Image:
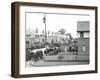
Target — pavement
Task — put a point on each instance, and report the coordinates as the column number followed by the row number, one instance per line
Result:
column 54, row 61
column 42, row 63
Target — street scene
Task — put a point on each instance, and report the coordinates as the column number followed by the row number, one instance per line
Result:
column 56, row 39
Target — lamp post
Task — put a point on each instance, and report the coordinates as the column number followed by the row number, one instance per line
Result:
column 44, row 21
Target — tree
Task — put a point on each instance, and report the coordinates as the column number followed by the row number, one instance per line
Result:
column 43, row 31
column 62, row 31
column 36, row 30
column 69, row 36
column 48, row 32
column 52, row 33
column 52, row 41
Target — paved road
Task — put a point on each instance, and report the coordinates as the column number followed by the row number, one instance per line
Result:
column 42, row 63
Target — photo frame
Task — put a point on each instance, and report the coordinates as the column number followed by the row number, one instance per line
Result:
column 53, row 39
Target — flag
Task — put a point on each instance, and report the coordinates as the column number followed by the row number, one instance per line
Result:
column 44, row 19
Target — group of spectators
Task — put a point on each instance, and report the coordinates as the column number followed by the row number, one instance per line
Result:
column 51, row 49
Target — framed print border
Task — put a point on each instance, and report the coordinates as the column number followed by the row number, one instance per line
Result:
column 15, row 39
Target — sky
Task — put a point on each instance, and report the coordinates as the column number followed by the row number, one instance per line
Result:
column 54, row 22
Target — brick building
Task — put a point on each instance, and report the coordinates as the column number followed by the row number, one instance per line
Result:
column 83, row 31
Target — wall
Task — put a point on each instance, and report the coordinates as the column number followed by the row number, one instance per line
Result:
column 83, row 42
column 5, row 40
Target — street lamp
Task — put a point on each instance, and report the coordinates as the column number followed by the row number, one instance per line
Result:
column 44, row 21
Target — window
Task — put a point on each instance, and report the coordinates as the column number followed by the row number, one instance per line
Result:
column 81, row 35
column 78, row 35
column 86, row 34
column 84, row 48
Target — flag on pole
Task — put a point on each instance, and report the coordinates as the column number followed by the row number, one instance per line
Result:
column 44, row 19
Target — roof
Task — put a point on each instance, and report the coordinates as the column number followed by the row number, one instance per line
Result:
column 83, row 26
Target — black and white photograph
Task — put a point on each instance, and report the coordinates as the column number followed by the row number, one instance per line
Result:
column 54, row 39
